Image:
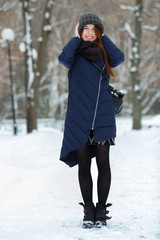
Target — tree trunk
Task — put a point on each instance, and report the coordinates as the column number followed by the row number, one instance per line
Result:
column 135, row 62
column 31, row 107
column 46, row 29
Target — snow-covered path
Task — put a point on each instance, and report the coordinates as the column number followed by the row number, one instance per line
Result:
column 39, row 195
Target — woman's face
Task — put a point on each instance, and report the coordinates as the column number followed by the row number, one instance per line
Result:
column 88, row 33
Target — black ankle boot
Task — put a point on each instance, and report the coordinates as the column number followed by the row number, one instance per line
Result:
column 89, row 214
column 101, row 215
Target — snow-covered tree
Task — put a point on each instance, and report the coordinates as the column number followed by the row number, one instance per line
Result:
column 150, row 67
column 42, row 68
column 36, row 60
column 135, row 37
column 30, row 72
column 52, row 29
column 137, row 58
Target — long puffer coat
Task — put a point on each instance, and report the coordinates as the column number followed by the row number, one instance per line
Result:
column 90, row 104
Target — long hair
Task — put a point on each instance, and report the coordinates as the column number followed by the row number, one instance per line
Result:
column 98, row 41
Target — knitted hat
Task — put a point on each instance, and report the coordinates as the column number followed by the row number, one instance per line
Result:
column 90, row 18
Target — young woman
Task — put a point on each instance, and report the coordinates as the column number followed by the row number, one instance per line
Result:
column 90, row 119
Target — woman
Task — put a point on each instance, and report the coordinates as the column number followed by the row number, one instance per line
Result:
column 90, row 119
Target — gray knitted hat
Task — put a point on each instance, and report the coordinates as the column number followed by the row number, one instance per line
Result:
column 90, row 18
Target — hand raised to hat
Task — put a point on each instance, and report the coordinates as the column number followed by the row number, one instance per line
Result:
column 76, row 30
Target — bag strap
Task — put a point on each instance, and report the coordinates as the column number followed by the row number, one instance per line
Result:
column 121, row 95
column 101, row 70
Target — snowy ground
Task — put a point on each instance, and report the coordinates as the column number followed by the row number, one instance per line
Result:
column 39, row 195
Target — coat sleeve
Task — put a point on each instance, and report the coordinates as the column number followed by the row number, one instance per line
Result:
column 115, row 55
column 67, row 56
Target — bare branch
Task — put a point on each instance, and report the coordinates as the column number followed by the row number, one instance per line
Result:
column 63, row 6
column 150, row 28
column 151, row 102
column 8, row 5
column 49, row 69
column 149, row 14
column 32, row 10
column 60, row 22
column 129, row 8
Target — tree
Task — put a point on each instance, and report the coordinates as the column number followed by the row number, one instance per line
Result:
column 138, row 59
column 135, row 60
column 135, row 65
column 50, row 29
column 30, row 73
column 150, row 79
column 42, row 61
column 35, row 69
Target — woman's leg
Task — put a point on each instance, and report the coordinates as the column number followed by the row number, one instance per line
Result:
column 84, row 173
column 104, row 173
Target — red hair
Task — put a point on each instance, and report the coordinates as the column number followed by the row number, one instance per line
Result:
column 98, row 41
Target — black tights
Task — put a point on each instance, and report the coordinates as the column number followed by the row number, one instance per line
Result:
column 104, row 172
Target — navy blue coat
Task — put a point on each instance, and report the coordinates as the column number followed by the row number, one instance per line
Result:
column 90, row 104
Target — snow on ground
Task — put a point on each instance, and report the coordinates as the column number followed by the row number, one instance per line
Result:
column 39, row 194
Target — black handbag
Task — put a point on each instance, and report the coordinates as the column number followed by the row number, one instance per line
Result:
column 117, row 96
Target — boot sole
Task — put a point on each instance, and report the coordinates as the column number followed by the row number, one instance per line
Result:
column 100, row 224
column 88, row 224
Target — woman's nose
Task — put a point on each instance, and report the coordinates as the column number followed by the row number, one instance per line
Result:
column 90, row 31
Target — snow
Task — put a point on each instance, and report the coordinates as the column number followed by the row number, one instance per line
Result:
column 34, row 53
column 25, row 4
column 133, row 69
column 22, row 47
column 129, row 31
column 6, row 6
column 29, row 52
column 50, row 67
column 137, row 56
column 47, row 15
column 3, row 43
column 140, row 19
column 151, row 28
column 47, row 28
column 37, row 74
column 136, row 88
column 50, row 3
column 134, row 49
column 39, row 194
column 40, row 39
column 130, row 8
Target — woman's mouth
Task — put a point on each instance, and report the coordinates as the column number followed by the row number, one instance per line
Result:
column 89, row 38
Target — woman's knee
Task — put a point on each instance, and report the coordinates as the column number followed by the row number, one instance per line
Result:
column 83, row 157
column 102, row 157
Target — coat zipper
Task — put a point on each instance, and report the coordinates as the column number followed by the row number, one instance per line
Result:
column 95, row 112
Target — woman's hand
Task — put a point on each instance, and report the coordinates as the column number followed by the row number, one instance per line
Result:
column 76, row 30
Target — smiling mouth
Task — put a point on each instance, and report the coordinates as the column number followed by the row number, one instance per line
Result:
column 89, row 38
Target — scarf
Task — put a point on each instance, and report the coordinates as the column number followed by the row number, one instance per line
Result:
column 90, row 50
